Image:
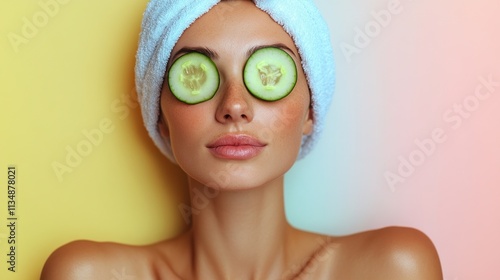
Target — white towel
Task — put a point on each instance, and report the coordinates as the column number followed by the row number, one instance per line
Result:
column 164, row 22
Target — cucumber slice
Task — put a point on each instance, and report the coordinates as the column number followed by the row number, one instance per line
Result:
column 193, row 78
column 270, row 74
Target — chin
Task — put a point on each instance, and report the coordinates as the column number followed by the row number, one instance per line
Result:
column 237, row 175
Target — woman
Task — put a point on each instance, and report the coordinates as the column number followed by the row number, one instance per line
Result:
column 220, row 126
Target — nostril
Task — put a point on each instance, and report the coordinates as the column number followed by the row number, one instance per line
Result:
column 228, row 116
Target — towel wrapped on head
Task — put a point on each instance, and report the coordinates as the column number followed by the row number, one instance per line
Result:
column 164, row 22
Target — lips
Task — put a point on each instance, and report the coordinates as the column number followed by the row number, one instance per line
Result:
column 236, row 147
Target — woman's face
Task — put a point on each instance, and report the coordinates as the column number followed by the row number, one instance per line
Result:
column 234, row 140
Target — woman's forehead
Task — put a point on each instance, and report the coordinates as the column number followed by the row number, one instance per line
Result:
column 234, row 25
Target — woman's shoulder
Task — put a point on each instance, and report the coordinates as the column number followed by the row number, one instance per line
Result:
column 98, row 260
column 391, row 252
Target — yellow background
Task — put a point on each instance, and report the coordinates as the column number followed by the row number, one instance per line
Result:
column 74, row 73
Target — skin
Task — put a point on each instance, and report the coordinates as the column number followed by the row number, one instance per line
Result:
column 242, row 233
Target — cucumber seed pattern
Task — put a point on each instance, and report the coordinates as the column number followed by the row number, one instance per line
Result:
column 270, row 74
column 193, row 77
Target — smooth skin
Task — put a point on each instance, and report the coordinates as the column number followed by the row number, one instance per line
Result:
column 242, row 233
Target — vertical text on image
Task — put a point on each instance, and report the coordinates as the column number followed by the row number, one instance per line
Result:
column 12, row 222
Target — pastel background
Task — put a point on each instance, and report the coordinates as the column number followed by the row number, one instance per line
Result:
column 68, row 78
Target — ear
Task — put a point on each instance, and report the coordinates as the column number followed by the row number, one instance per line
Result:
column 309, row 122
column 163, row 129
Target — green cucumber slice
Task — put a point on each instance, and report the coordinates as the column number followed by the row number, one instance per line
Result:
column 193, row 78
column 270, row 74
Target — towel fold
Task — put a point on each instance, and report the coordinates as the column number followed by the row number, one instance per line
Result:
column 164, row 21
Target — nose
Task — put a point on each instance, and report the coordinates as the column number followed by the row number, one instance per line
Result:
column 235, row 104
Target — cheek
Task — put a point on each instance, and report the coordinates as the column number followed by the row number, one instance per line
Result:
column 291, row 119
column 295, row 113
column 185, row 123
column 286, row 122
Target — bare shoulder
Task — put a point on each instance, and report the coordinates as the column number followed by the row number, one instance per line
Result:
column 396, row 253
column 97, row 260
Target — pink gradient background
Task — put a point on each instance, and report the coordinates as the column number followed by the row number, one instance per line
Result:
column 395, row 90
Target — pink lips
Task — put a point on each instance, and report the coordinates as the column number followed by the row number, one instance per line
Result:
column 237, row 147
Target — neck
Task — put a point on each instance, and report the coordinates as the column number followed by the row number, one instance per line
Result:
column 240, row 234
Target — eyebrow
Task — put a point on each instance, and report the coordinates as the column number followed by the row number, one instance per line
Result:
column 278, row 45
column 203, row 50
